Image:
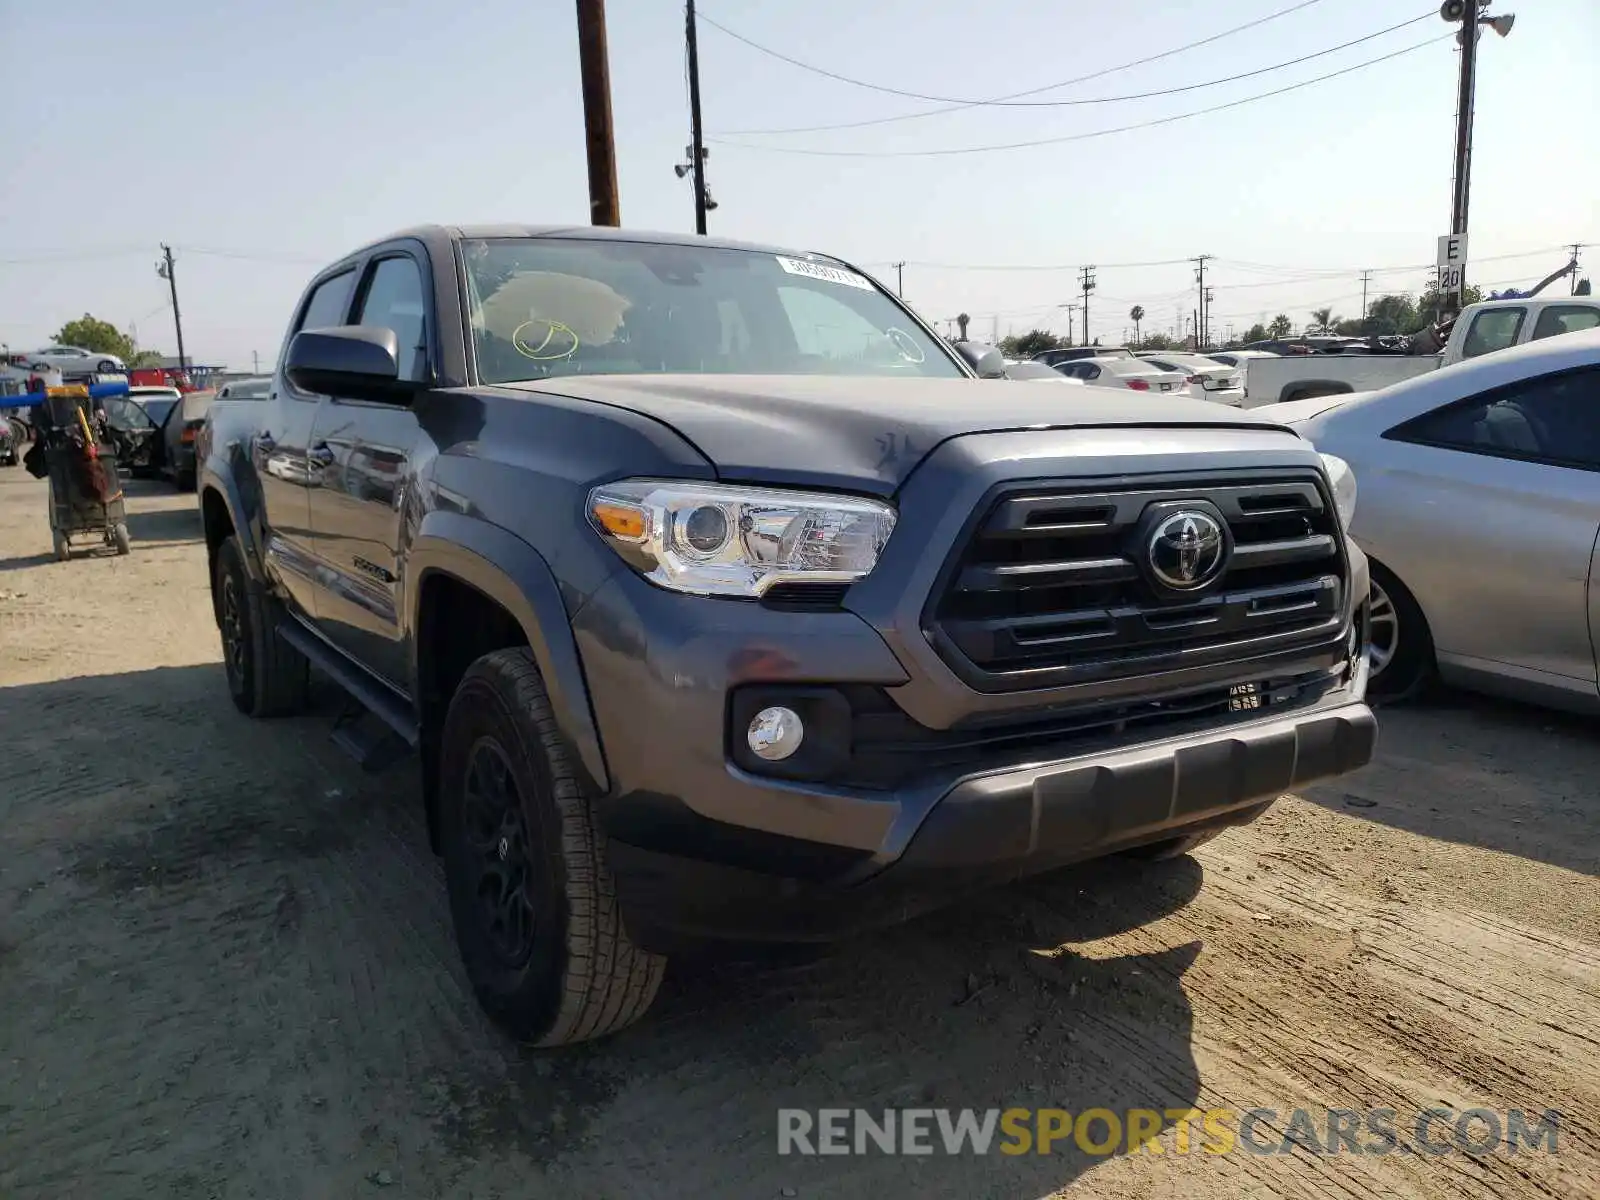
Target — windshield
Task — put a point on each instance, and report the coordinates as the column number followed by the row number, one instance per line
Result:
column 543, row 307
column 155, row 407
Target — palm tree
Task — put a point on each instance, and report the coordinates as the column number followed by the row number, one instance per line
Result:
column 1136, row 314
column 1324, row 319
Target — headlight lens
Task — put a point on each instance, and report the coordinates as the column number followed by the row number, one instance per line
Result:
column 723, row 540
column 1343, row 480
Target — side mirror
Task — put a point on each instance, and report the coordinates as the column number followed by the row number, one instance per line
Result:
column 362, row 361
column 985, row 360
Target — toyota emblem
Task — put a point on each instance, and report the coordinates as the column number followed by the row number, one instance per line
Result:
column 1187, row 550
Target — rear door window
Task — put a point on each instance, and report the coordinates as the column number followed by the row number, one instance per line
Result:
column 1565, row 318
column 1493, row 330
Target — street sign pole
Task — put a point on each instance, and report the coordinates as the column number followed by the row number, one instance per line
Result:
column 1451, row 261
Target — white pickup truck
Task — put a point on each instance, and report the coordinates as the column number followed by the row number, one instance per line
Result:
column 1481, row 329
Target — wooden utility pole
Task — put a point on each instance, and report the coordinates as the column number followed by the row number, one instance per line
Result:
column 697, row 148
column 166, row 270
column 900, row 278
column 1087, row 285
column 605, row 208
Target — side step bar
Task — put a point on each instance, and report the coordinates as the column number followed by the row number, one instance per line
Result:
column 373, row 749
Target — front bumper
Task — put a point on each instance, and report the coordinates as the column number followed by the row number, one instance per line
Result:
column 990, row 829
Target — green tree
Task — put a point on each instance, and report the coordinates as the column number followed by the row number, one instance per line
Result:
column 1256, row 333
column 1428, row 305
column 142, row 358
column 1281, row 326
column 1028, row 344
column 1157, row 341
column 101, row 337
column 1136, row 314
column 1323, row 319
column 1391, row 314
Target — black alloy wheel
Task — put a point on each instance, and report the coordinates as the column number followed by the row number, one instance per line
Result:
column 497, row 834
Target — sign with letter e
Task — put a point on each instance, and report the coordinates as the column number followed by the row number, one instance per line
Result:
column 1451, row 261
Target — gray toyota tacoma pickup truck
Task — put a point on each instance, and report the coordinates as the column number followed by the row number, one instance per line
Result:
column 720, row 598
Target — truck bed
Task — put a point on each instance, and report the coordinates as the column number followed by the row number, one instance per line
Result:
column 1302, row 376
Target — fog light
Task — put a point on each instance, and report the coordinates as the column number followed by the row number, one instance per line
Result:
column 775, row 733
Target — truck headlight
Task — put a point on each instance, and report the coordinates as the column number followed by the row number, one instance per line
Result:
column 726, row 540
column 1343, row 480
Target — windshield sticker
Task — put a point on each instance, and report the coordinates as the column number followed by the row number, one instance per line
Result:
column 905, row 345
column 558, row 342
column 811, row 270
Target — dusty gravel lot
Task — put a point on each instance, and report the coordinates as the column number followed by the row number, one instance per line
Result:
column 226, row 966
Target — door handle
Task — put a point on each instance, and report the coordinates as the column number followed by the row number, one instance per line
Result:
column 322, row 455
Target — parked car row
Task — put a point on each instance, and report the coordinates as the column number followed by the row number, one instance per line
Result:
column 154, row 428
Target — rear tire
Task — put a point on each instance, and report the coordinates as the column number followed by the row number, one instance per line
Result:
column 531, row 893
column 120, row 539
column 267, row 677
column 1402, row 657
column 62, row 546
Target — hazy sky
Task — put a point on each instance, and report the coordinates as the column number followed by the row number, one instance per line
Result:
column 264, row 138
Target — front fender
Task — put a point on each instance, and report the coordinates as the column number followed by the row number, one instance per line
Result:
column 216, row 476
column 515, row 576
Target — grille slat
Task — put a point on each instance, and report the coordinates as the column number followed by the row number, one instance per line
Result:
column 1052, row 581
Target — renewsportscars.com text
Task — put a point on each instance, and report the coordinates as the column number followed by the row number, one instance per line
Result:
column 1101, row 1131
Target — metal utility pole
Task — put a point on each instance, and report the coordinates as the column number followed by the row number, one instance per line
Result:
column 1572, row 283
column 1200, row 282
column 1071, row 308
column 899, row 279
column 697, row 151
column 255, row 362
column 605, row 207
column 1088, row 286
column 166, row 270
column 1366, row 277
column 1207, row 295
column 1466, row 12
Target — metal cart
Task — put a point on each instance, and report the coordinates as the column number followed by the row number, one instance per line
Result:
column 77, row 460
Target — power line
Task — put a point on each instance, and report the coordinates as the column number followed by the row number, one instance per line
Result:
column 1013, row 102
column 1306, row 274
column 1080, row 137
column 1138, row 62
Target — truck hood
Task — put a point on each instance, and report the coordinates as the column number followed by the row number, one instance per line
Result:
column 862, row 433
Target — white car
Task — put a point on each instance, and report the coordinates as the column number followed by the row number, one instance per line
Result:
column 1037, row 372
column 1207, row 378
column 1132, row 373
column 1236, row 358
column 74, row 360
column 245, row 389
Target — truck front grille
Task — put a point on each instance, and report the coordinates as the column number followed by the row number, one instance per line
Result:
column 1056, row 585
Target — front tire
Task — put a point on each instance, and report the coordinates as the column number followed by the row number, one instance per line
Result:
column 267, row 677
column 531, row 893
column 107, row 367
column 120, row 538
column 1401, row 658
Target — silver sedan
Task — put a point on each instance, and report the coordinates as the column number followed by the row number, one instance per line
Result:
column 1479, row 506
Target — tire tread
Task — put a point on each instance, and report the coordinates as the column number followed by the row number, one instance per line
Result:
column 608, row 983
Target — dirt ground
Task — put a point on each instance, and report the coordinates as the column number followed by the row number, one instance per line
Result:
column 226, row 967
